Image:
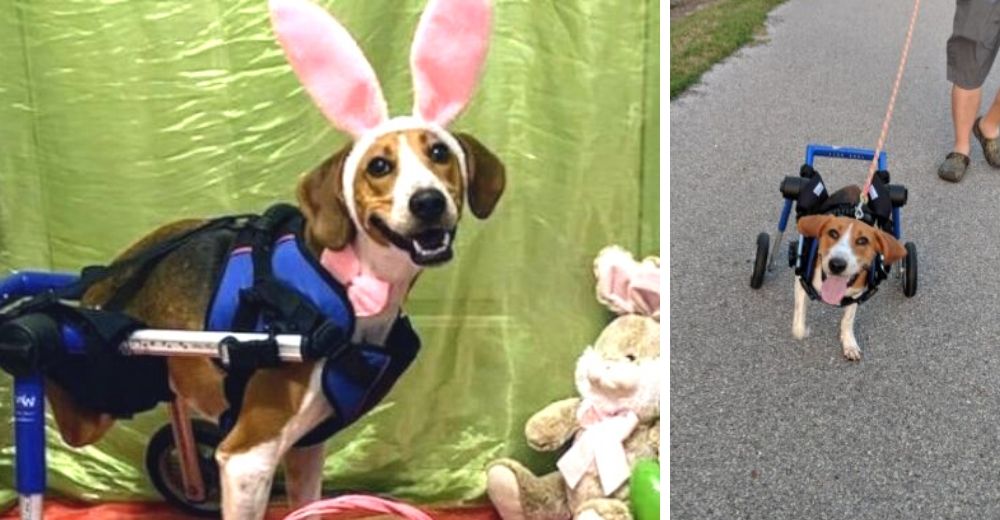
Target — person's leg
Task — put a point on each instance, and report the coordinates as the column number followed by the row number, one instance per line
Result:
column 964, row 106
column 967, row 68
column 986, row 129
column 989, row 125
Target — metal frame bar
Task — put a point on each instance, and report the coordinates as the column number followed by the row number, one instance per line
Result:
column 191, row 477
column 29, row 409
column 843, row 152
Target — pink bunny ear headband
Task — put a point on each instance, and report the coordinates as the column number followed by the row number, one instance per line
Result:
column 627, row 286
column 447, row 54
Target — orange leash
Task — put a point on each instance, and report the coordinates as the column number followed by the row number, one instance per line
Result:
column 892, row 104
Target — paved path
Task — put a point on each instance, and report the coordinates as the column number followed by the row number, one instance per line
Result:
column 766, row 427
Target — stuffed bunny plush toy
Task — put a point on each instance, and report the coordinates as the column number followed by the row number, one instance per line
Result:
column 613, row 424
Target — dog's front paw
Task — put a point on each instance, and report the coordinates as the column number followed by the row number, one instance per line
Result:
column 800, row 331
column 852, row 352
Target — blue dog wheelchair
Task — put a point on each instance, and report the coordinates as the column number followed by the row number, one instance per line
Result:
column 279, row 300
column 807, row 194
column 179, row 457
column 273, row 303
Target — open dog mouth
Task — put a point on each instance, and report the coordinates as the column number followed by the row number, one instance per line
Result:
column 834, row 287
column 429, row 247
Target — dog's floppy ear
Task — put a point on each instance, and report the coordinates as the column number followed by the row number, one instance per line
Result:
column 487, row 177
column 448, row 51
column 330, row 65
column 892, row 251
column 812, row 225
column 321, row 199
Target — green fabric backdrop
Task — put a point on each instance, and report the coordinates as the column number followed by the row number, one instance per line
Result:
column 117, row 116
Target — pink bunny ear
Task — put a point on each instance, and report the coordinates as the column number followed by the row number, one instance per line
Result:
column 626, row 286
column 644, row 290
column 330, row 65
column 613, row 270
column 447, row 54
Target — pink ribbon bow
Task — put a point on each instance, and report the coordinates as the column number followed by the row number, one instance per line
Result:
column 368, row 294
column 600, row 444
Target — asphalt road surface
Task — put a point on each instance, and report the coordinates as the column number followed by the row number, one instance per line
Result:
column 764, row 426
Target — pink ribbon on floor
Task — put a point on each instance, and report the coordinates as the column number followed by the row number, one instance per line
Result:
column 600, row 444
column 368, row 294
column 356, row 503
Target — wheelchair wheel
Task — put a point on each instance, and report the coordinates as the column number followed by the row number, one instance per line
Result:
column 164, row 468
column 910, row 270
column 760, row 263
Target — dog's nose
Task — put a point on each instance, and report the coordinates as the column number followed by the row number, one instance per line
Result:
column 428, row 204
column 837, row 265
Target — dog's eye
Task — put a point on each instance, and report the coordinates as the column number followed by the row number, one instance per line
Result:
column 630, row 357
column 439, row 153
column 833, row 234
column 379, row 167
column 861, row 241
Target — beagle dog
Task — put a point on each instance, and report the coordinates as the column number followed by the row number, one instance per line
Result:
column 391, row 201
column 845, row 254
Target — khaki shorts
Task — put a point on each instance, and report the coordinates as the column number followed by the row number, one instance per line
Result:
column 974, row 41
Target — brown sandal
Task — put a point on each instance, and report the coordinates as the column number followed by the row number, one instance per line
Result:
column 954, row 167
column 991, row 149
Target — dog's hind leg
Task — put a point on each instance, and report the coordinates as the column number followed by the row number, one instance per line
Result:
column 78, row 426
column 799, row 329
column 280, row 405
column 304, row 474
column 847, row 340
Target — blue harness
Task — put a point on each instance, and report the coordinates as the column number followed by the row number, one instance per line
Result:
column 355, row 376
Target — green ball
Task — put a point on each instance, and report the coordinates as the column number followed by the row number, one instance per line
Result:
column 645, row 490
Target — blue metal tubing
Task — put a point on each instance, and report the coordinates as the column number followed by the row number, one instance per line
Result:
column 29, row 434
column 785, row 211
column 843, row 152
column 29, row 398
column 29, row 283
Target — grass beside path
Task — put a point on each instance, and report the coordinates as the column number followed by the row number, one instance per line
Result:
column 707, row 35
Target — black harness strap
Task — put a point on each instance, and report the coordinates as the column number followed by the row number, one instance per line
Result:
column 282, row 309
column 259, row 234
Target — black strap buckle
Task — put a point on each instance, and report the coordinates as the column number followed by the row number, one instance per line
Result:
column 245, row 356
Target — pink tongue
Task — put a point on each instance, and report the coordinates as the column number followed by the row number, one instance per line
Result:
column 833, row 289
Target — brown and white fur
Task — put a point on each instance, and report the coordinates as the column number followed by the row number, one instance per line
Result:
column 284, row 403
column 335, row 217
column 847, row 248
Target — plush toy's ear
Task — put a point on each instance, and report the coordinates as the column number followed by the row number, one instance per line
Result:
column 447, row 54
column 646, row 290
column 330, row 65
column 626, row 286
column 611, row 268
